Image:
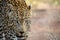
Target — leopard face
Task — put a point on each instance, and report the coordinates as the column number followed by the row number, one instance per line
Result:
column 16, row 15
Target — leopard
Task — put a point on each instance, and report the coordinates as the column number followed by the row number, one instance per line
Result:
column 14, row 19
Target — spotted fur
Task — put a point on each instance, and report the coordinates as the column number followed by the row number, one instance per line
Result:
column 14, row 18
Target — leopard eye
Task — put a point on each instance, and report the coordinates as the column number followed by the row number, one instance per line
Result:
column 10, row 6
column 10, row 10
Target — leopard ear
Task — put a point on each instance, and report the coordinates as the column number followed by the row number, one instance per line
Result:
column 29, row 7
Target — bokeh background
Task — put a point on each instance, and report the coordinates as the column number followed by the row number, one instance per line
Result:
column 45, row 19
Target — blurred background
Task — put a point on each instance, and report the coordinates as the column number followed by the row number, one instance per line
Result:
column 45, row 20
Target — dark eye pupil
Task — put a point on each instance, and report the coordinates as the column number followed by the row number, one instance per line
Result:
column 10, row 10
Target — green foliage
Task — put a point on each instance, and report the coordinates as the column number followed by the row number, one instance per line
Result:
column 55, row 2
